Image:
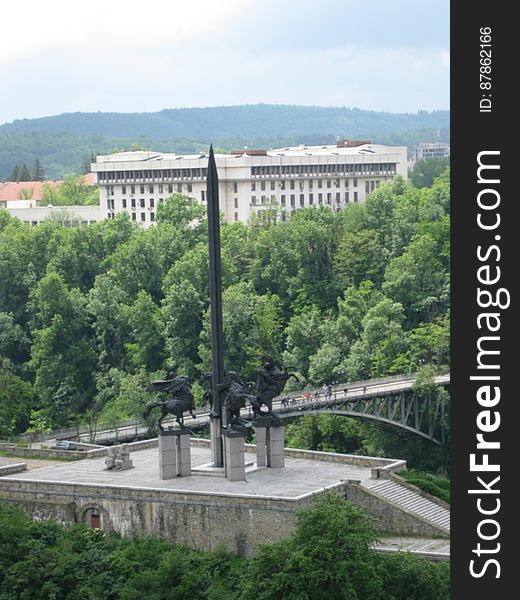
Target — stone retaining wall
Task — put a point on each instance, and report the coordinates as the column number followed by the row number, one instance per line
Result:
column 391, row 518
column 198, row 520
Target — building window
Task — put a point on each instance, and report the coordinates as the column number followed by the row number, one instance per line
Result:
column 338, row 197
column 152, row 216
column 253, row 200
column 329, row 198
column 170, row 188
column 347, row 199
column 302, row 200
column 293, row 200
column 355, row 196
column 150, row 189
column 152, row 203
column 235, row 202
column 311, row 198
column 141, row 202
column 236, row 216
column 123, row 189
column 161, row 200
column 133, row 217
column 123, row 202
column 320, row 183
column 133, row 202
column 132, row 189
column 253, row 186
column 141, row 188
column 282, row 199
column 291, row 184
column 161, row 189
column 272, row 185
column 143, row 217
column 179, row 188
column 282, row 185
column 329, row 183
column 203, row 196
column 320, row 198
column 301, row 185
column 354, row 182
column 367, row 187
column 310, row 184
column 262, row 186
column 235, row 187
column 190, row 188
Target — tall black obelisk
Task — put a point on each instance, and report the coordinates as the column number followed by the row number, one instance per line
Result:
column 217, row 337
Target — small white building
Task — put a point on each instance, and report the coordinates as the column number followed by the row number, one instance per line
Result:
column 249, row 180
column 32, row 214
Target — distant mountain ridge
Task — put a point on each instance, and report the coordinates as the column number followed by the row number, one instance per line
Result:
column 186, row 129
column 255, row 120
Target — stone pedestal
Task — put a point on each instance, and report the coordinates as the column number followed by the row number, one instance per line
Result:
column 269, row 445
column 174, row 454
column 234, row 455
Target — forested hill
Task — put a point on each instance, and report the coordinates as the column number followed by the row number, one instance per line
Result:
column 221, row 122
column 64, row 143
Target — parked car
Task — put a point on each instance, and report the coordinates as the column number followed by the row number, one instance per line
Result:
column 65, row 445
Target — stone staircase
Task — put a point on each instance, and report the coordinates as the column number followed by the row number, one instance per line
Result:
column 409, row 501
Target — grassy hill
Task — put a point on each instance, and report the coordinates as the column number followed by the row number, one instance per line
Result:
column 64, row 142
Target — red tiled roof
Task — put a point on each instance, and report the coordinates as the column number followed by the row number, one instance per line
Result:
column 12, row 190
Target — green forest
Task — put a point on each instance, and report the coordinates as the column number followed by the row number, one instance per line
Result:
column 328, row 557
column 65, row 143
column 90, row 315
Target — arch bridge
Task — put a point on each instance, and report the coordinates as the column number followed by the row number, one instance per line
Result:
column 391, row 401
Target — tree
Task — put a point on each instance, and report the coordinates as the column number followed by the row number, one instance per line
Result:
column 16, row 396
column 360, row 256
column 179, row 211
column 303, row 339
column 20, row 173
column 38, row 174
column 146, row 348
column 425, row 171
column 106, row 305
column 417, row 280
column 14, row 343
column 327, row 558
column 62, row 354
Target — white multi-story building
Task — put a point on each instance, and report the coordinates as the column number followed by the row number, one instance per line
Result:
column 431, row 150
column 249, row 180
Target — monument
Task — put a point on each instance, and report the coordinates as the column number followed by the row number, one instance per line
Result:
column 174, row 444
column 226, row 391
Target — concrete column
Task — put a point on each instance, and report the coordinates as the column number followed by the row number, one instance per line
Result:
column 174, row 454
column 275, row 447
column 234, row 455
column 261, row 448
column 217, row 451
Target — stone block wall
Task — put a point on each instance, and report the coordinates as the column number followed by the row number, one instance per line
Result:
column 389, row 517
column 198, row 520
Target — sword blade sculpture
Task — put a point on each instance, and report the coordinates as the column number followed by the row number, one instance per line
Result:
column 217, row 336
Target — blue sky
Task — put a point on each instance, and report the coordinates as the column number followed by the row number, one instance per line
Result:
column 58, row 56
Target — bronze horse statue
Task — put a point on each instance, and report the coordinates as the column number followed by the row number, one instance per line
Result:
column 180, row 401
column 270, row 383
column 234, row 396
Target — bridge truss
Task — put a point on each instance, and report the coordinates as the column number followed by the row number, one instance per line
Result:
column 425, row 417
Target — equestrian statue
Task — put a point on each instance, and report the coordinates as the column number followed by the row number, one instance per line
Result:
column 180, row 399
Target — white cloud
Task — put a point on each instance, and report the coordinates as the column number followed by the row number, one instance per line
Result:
column 33, row 27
